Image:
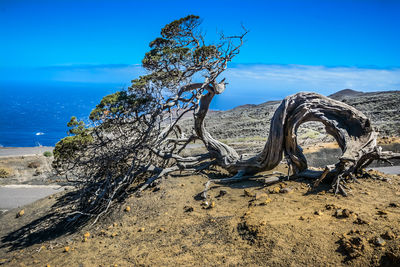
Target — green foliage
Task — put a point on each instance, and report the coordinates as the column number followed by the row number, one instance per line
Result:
column 47, row 154
column 181, row 27
column 121, row 103
column 205, row 53
column 67, row 147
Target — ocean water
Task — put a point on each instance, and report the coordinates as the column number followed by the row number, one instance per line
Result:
column 37, row 114
column 33, row 115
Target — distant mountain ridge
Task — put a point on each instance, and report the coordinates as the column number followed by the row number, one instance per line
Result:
column 253, row 121
column 345, row 93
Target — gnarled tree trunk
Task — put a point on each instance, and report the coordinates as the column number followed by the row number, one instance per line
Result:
column 350, row 127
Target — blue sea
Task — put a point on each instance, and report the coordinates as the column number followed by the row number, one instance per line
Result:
column 37, row 114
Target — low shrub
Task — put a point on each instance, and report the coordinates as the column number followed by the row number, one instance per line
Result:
column 5, row 172
column 47, row 154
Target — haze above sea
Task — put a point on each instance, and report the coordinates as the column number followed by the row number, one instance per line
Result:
column 37, row 114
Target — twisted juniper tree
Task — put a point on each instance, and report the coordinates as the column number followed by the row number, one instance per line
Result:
column 134, row 137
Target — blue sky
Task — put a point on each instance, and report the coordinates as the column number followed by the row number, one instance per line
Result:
column 292, row 46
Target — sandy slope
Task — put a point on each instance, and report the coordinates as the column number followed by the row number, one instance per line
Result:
column 249, row 225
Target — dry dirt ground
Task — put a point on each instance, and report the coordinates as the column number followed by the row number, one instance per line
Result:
column 245, row 224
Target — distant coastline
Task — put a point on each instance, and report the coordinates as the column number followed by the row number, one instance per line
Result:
column 24, row 151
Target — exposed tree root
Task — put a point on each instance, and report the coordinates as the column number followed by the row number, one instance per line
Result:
column 351, row 129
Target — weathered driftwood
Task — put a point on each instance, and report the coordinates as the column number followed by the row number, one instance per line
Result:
column 351, row 129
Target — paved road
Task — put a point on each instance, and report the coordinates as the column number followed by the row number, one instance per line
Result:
column 389, row 170
column 23, row 151
column 13, row 196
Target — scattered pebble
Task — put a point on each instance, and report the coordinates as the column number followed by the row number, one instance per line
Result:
column 188, row 209
column 275, row 190
column 354, row 246
column 330, row 206
column 127, row 209
column 346, row 213
column 342, row 213
column 389, row 235
column 66, row 249
column 361, row 220
column 222, row 193
column 141, row 229
column 286, row 190
column 268, row 200
column 248, row 193
column 382, row 212
column 379, row 241
column 20, row 213
column 87, row 235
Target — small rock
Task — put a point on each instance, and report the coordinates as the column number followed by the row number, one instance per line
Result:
column 389, row 235
column 127, row 209
column 157, row 188
column 268, row 200
column 317, row 212
column 87, row 235
column 66, row 249
column 301, row 218
column 248, row 193
column 212, row 205
column 275, row 190
column 339, row 213
column 114, row 234
column 354, row 247
column 330, row 206
column 394, row 205
column 346, row 213
column 204, row 204
column 222, row 193
column 20, row 213
column 141, row 229
column 162, row 229
column 286, row 190
column 382, row 212
column 379, row 241
column 361, row 220
column 188, row 209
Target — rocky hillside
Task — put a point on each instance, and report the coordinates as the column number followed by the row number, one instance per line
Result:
column 251, row 122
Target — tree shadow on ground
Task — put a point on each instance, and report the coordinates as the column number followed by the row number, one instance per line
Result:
column 56, row 223
column 257, row 181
